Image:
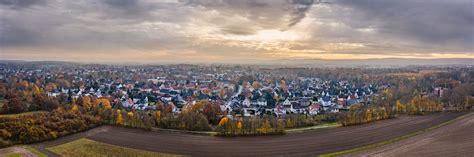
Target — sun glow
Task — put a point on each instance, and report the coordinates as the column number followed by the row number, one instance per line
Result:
column 274, row 35
column 267, row 36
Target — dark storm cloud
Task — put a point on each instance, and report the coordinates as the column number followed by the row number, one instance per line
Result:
column 449, row 23
column 122, row 3
column 19, row 4
column 298, row 10
column 267, row 14
column 237, row 30
column 75, row 24
column 128, row 8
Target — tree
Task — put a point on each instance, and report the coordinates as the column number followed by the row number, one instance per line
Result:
column 466, row 102
column 256, row 84
column 36, row 90
column 271, row 102
column 50, row 104
column 85, row 101
column 5, row 134
column 130, row 114
column 159, row 106
column 210, row 110
column 14, row 105
column 51, row 87
column 193, row 121
column 37, row 127
column 23, row 85
column 104, row 102
column 283, row 86
column 169, row 108
column 368, row 115
column 158, row 116
column 265, row 128
column 5, row 108
column 400, row 107
column 239, row 124
column 223, row 121
column 130, row 119
column 222, row 93
column 34, row 107
column 75, row 109
column 63, row 83
column 119, row 120
column 3, row 90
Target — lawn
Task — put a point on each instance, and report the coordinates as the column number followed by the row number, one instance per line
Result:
column 13, row 155
column 87, row 147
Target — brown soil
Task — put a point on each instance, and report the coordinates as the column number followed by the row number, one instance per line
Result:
column 455, row 139
column 299, row 144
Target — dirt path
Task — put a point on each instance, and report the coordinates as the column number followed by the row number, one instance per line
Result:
column 299, row 144
column 455, row 139
column 18, row 150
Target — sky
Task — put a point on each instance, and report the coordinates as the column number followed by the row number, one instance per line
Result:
column 234, row 31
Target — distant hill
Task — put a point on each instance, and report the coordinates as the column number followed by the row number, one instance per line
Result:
column 367, row 63
column 386, row 62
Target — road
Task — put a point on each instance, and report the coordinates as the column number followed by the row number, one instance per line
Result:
column 299, row 144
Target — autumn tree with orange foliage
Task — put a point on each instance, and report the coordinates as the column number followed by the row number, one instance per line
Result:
column 85, row 101
column 104, row 102
column 210, row 110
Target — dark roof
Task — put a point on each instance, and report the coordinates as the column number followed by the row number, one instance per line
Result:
column 326, row 98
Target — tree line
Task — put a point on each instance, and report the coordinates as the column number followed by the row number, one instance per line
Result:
column 24, row 129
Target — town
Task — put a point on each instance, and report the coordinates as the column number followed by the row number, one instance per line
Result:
column 233, row 88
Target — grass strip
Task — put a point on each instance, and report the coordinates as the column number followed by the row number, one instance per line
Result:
column 320, row 126
column 34, row 151
column 13, row 155
column 394, row 139
column 22, row 114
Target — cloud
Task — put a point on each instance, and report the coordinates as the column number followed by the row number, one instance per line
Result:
column 437, row 22
column 132, row 9
column 20, row 4
column 298, row 10
column 243, row 29
column 266, row 14
column 239, row 30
